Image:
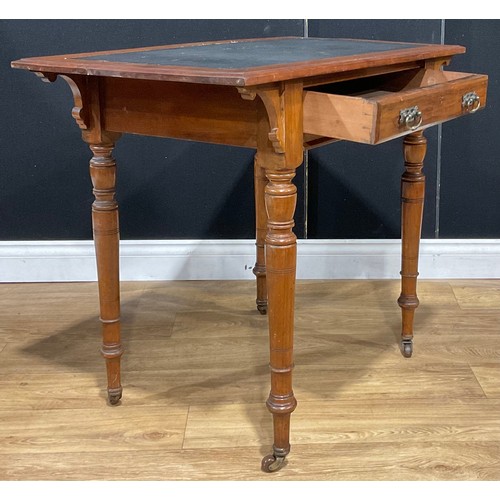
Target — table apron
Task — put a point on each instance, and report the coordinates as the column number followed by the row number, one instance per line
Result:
column 208, row 113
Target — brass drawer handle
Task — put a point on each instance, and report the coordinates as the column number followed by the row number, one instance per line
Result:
column 471, row 102
column 411, row 118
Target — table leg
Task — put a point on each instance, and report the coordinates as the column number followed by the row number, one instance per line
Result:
column 281, row 255
column 412, row 204
column 260, row 182
column 106, row 238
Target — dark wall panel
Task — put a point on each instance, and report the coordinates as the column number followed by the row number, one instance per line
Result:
column 354, row 189
column 179, row 189
column 166, row 188
column 470, row 187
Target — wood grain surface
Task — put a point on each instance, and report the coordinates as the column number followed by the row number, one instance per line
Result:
column 211, row 72
column 372, row 116
column 195, row 380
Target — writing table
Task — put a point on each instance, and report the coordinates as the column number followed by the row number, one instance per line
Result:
column 277, row 96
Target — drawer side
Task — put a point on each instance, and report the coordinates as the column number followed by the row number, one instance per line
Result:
column 340, row 117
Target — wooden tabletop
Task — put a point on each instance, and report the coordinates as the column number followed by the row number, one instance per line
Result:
column 239, row 62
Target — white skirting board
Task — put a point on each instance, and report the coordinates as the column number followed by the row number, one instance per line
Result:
column 41, row 261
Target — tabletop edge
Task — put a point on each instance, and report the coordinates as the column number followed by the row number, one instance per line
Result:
column 71, row 64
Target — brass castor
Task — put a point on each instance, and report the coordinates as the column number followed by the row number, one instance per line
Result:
column 262, row 307
column 407, row 347
column 114, row 396
column 271, row 463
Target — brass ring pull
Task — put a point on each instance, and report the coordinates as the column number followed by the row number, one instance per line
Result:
column 471, row 102
column 411, row 118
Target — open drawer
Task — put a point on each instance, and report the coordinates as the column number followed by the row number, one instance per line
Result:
column 376, row 109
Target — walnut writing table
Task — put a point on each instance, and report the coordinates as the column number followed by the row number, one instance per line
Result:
column 278, row 96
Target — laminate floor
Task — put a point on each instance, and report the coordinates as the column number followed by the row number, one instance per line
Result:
column 195, row 380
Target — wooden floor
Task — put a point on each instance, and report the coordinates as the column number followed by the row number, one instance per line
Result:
column 195, row 379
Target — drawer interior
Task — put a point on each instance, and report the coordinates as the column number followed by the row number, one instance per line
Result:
column 379, row 85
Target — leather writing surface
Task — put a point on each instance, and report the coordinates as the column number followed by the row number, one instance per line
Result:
column 252, row 53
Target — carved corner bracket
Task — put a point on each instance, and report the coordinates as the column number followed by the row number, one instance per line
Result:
column 437, row 63
column 247, row 93
column 283, row 132
column 273, row 102
column 46, row 77
column 80, row 111
column 78, row 87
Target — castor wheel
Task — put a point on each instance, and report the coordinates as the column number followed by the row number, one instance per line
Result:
column 407, row 347
column 114, row 396
column 271, row 463
column 262, row 307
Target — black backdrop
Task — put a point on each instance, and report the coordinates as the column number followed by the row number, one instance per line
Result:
column 180, row 189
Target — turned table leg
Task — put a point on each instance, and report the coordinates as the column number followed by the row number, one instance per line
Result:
column 260, row 182
column 412, row 204
column 106, row 238
column 281, row 254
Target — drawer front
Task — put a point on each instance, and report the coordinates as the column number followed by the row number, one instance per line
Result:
column 380, row 115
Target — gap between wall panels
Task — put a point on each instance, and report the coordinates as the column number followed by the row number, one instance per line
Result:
column 306, row 162
column 438, row 156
